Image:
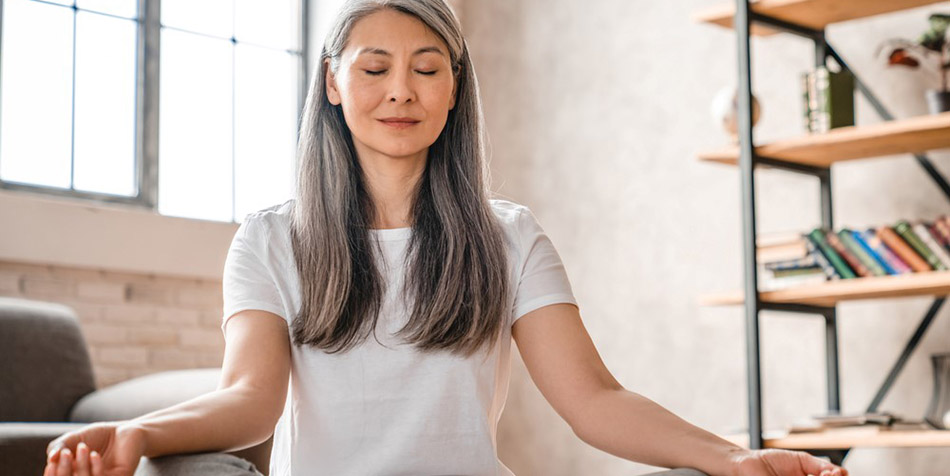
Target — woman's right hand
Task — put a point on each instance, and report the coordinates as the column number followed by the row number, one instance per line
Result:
column 99, row 449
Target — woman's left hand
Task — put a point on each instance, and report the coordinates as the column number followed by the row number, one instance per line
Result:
column 783, row 463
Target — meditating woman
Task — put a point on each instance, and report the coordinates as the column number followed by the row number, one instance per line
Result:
column 368, row 321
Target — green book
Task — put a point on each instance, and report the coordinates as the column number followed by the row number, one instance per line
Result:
column 835, row 91
column 857, row 250
column 818, row 237
column 906, row 232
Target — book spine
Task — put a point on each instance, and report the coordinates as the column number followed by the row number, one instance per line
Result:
column 824, row 103
column 806, row 262
column 895, row 262
column 813, row 111
column 822, row 261
column 847, row 238
column 841, row 100
column 921, row 230
column 938, row 236
column 859, row 239
column 849, row 257
column 944, row 230
column 906, row 232
column 806, row 102
column 818, row 238
column 784, row 273
column 900, row 247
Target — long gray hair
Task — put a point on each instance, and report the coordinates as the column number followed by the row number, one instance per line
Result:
column 457, row 283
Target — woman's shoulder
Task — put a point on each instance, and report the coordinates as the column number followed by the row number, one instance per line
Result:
column 507, row 211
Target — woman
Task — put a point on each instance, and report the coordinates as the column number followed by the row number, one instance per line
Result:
column 392, row 225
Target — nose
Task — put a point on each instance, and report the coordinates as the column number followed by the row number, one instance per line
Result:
column 400, row 88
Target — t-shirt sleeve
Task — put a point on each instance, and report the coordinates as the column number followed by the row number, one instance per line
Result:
column 543, row 279
column 246, row 281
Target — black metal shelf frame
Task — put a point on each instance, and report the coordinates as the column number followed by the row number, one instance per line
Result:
column 747, row 160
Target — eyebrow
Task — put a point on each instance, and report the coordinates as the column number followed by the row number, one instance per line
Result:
column 379, row 51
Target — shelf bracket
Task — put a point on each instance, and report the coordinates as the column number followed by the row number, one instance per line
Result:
column 908, row 349
column 882, row 111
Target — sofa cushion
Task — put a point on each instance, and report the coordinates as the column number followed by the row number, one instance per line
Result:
column 138, row 396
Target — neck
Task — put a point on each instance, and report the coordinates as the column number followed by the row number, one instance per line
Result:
column 391, row 182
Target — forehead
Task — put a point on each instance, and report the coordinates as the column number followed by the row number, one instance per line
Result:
column 394, row 32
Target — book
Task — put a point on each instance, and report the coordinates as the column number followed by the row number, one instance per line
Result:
column 818, row 238
column 895, row 262
column 828, row 98
column 842, row 251
column 905, row 231
column 859, row 239
column 768, row 281
column 822, row 261
column 847, row 238
column 805, row 262
column 921, row 230
column 836, row 97
column 937, row 236
column 943, row 228
column 902, row 249
column 780, row 246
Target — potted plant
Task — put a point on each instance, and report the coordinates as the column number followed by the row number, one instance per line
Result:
column 932, row 48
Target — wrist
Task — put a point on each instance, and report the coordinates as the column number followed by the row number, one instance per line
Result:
column 134, row 433
column 738, row 458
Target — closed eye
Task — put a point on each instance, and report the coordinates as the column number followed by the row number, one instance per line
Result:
column 377, row 73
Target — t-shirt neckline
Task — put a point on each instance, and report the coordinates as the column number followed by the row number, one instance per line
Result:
column 391, row 234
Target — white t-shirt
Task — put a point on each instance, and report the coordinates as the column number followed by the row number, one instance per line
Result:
column 388, row 410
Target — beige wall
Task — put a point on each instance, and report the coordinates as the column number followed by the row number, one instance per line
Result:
column 596, row 111
column 134, row 323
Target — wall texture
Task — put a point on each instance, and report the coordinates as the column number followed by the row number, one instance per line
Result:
column 134, row 324
column 596, row 111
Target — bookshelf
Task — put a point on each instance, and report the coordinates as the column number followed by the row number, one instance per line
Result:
column 912, row 135
column 814, row 155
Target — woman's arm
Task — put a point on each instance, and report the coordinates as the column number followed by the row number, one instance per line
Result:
column 241, row 413
column 565, row 366
column 249, row 400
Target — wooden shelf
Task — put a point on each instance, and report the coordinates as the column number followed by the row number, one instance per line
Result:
column 815, row 14
column 844, row 438
column 935, row 283
column 912, row 135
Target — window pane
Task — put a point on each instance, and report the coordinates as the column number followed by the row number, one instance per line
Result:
column 265, row 127
column 122, row 8
column 105, row 104
column 274, row 23
column 211, row 17
column 36, row 93
column 195, row 127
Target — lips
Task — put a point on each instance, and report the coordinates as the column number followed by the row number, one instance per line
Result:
column 399, row 122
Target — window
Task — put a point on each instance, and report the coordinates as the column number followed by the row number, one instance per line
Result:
column 186, row 107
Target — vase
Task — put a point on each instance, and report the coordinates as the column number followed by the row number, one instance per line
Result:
column 938, row 101
column 725, row 111
column 938, row 413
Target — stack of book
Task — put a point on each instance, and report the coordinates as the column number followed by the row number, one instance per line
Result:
column 828, row 98
column 834, row 420
column 821, row 254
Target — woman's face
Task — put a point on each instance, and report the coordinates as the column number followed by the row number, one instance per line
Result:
column 393, row 66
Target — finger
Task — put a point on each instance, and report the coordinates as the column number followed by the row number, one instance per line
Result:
column 53, row 455
column 82, row 460
column 65, row 463
column 50, row 469
column 813, row 465
column 96, row 461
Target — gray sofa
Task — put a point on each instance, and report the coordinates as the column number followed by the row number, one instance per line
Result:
column 47, row 386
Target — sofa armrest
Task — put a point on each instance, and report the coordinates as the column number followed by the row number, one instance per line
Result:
column 23, row 445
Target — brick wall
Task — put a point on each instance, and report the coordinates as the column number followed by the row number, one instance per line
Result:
column 134, row 324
